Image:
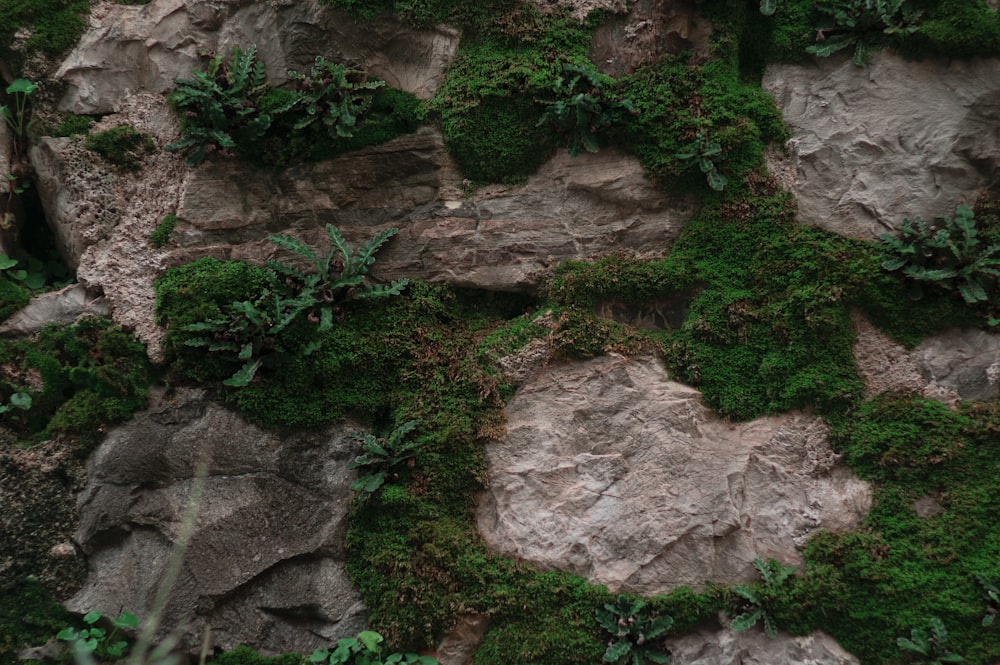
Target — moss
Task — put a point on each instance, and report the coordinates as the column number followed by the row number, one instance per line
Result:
column 29, row 616
column 73, row 125
column 54, row 26
column 161, row 235
column 953, row 28
column 123, row 146
column 12, row 298
column 244, row 655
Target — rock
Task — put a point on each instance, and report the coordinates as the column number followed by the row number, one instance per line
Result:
column 459, row 646
column 615, row 473
column 958, row 364
column 753, row 647
column 143, row 48
column 581, row 8
column 63, row 307
column 896, row 138
column 264, row 563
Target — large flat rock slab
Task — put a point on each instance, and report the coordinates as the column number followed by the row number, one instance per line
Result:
column 614, row 472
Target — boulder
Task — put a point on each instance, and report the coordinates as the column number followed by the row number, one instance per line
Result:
column 612, row 471
column 143, row 48
column 63, row 307
column 958, row 364
column 264, row 561
column 896, row 138
column 753, row 647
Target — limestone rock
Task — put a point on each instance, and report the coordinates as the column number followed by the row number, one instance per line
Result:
column 264, row 562
column 613, row 472
column 753, row 647
column 958, row 364
column 459, row 646
column 143, row 48
column 896, row 138
column 64, row 307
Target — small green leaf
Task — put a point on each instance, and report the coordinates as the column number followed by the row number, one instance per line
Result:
column 92, row 617
column 21, row 86
column 617, row 650
column 767, row 7
column 370, row 639
column 21, row 401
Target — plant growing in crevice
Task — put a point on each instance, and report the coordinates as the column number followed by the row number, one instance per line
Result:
column 99, row 641
column 949, row 255
column 123, row 146
column 161, row 234
column 930, row 646
column 31, row 277
column 334, row 95
column 758, row 596
column 219, row 106
column 703, row 152
column 636, row 637
column 366, row 649
column 380, row 455
column 338, row 276
column 992, row 588
column 861, row 24
column 17, row 117
column 582, row 109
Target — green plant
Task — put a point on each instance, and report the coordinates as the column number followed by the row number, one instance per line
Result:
column 98, row 641
column 635, row 635
column 768, row 7
column 366, row 649
column 582, row 108
column 219, row 106
column 73, row 125
column 380, row 455
column 18, row 400
column 161, row 235
column 123, row 146
column 932, row 645
column 17, row 185
column 338, row 276
column 773, row 575
column 992, row 588
column 702, row 152
column 16, row 118
column 949, row 255
column 31, row 277
column 334, row 95
column 860, row 23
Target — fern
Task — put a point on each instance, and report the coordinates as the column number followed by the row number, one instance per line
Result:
column 759, row 596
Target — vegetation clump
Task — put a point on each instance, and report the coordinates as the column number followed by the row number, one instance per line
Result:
column 757, row 598
column 636, row 637
column 861, row 24
column 123, row 146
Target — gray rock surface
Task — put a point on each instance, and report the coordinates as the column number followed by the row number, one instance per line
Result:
column 263, row 565
column 897, row 138
column 753, row 647
column 611, row 471
column 143, row 48
column 958, row 364
column 64, row 307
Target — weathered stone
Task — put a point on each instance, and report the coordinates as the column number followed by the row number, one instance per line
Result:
column 64, row 307
column 459, row 646
column 144, row 48
column 896, row 138
column 615, row 473
column 263, row 565
column 958, row 364
column 753, row 647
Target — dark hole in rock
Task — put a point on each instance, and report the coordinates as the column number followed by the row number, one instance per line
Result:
column 660, row 314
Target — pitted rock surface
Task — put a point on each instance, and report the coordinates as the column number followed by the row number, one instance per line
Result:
column 144, row 48
column 614, row 472
column 896, row 138
column 753, row 647
column 264, row 564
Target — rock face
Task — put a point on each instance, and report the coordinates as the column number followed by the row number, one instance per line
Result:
column 959, row 364
column 263, row 565
column 724, row 647
column 64, row 307
column 144, row 48
column 615, row 473
column 872, row 145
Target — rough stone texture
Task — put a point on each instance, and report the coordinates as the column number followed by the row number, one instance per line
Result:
column 144, row 48
column 897, row 138
column 64, row 307
column 958, row 364
column 459, row 646
column 581, row 8
column 753, row 647
column 615, row 473
column 264, row 563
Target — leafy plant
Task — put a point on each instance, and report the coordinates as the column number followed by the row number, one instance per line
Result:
column 992, row 588
column 18, row 400
column 366, row 649
column 773, row 576
column 16, row 117
column 161, row 235
column 123, row 146
column 582, row 108
column 339, row 276
column 380, row 455
column 634, row 633
column 932, row 645
column 703, row 153
column 334, row 95
column 949, row 255
column 96, row 640
column 219, row 106
column 860, row 23
column 768, row 7
column 28, row 277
